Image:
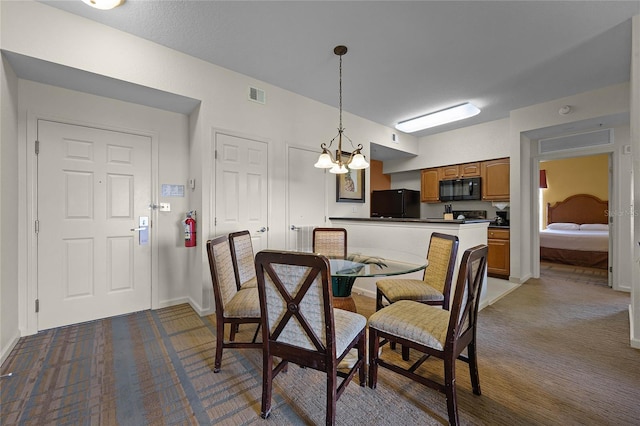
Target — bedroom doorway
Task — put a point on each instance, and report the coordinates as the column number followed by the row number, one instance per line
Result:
column 573, row 203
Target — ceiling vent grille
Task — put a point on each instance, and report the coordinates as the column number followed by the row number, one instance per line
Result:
column 577, row 141
column 257, row 95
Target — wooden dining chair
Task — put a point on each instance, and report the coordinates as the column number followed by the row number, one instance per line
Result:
column 435, row 332
column 233, row 306
column 435, row 286
column 300, row 325
column 244, row 266
column 330, row 242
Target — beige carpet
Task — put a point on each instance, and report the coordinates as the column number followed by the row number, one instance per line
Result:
column 553, row 352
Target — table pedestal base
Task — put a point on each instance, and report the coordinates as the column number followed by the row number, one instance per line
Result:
column 346, row 303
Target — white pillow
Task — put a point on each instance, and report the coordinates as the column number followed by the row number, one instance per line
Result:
column 594, row 227
column 561, row 226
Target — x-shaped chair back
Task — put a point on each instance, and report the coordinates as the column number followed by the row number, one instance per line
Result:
column 299, row 323
column 297, row 305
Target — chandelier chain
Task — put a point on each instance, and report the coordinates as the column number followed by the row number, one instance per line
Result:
column 340, row 91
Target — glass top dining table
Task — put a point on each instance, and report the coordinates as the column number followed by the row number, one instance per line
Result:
column 357, row 264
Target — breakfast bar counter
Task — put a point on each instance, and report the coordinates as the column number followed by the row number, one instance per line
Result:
column 406, row 239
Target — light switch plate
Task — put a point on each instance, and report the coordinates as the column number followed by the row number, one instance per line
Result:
column 165, row 207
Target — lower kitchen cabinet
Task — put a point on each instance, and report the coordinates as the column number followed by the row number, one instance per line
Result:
column 498, row 255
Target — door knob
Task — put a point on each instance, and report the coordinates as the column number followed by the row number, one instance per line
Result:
column 263, row 229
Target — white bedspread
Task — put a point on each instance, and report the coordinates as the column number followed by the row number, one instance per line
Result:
column 575, row 240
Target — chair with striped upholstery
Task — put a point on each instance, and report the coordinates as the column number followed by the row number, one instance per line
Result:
column 435, row 286
column 233, row 306
column 300, row 325
column 330, row 242
column 434, row 332
column 243, row 259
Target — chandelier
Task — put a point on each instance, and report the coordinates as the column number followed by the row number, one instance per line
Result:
column 355, row 160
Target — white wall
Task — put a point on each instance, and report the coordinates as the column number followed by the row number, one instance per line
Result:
column 484, row 141
column 27, row 28
column 8, row 210
column 634, row 308
column 169, row 135
column 597, row 103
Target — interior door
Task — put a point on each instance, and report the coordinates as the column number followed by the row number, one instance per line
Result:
column 306, row 196
column 241, row 197
column 94, row 192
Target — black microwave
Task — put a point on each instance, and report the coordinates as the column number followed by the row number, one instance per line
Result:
column 460, row 189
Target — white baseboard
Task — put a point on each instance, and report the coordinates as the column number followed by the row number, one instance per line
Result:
column 7, row 350
column 635, row 343
column 173, row 302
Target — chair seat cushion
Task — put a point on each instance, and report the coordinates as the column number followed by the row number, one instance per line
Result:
column 407, row 289
column 347, row 326
column 414, row 321
column 251, row 283
column 245, row 303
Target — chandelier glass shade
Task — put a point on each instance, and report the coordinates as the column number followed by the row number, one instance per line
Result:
column 104, row 4
column 355, row 160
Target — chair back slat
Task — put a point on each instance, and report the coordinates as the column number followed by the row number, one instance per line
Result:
column 222, row 272
column 464, row 309
column 243, row 256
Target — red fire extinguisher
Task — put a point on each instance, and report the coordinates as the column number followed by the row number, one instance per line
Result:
column 190, row 230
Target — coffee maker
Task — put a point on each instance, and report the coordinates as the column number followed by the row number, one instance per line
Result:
column 502, row 218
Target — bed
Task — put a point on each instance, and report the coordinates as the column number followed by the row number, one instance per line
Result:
column 577, row 232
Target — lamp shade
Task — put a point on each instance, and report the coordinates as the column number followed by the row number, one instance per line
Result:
column 104, row 4
column 543, row 179
column 339, row 169
column 358, row 162
column 324, row 161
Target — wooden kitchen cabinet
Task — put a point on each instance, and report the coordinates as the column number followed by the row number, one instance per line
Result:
column 495, row 180
column 457, row 171
column 469, row 169
column 498, row 261
column 448, row 172
column 429, row 186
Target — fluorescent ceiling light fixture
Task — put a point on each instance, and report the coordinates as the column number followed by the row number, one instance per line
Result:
column 438, row 118
column 104, row 4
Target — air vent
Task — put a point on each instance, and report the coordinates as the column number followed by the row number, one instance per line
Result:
column 577, row 141
column 257, row 95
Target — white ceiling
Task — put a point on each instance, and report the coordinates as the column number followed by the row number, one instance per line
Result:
column 405, row 58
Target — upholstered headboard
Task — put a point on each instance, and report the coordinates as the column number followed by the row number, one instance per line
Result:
column 579, row 208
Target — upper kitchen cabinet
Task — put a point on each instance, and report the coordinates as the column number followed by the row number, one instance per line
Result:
column 495, row 179
column 456, row 171
column 429, row 185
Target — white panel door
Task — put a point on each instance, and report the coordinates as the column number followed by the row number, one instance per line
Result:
column 241, row 198
column 306, row 197
column 93, row 187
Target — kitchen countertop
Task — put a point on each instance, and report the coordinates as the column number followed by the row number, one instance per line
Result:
column 411, row 220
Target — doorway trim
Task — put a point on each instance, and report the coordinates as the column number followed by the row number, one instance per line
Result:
column 612, row 200
column 28, row 208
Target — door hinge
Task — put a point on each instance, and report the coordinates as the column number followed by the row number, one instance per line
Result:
column 37, row 226
column 215, row 154
column 610, row 268
column 37, row 147
column 37, row 305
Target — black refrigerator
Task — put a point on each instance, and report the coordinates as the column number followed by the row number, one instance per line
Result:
column 399, row 203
